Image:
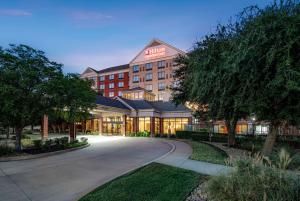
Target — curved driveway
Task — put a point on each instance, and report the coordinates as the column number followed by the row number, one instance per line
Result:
column 70, row 175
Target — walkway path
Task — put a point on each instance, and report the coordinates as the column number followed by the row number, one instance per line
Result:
column 180, row 158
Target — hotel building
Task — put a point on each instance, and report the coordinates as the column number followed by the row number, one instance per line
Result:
column 135, row 97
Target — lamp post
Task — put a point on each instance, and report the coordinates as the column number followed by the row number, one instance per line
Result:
column 253, row 118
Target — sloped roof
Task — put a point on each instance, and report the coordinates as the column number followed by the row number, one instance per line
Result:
column 114, row 68
column 168, row 106
column 89, row 69
column 101, row 100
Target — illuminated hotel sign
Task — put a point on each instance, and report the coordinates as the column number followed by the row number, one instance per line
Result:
column 155, row 52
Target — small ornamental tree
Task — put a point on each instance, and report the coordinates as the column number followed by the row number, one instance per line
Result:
column 269, row 54
column 24, row 76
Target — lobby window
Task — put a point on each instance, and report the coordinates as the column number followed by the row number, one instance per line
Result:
column 135, row 68
column 161, row 86
column 148, row 66
column 121, row 84
column 160, row 97
column 102, row 78
column 121, row 75
column 135, row 78
column 161, row 75
column 148, row 76
column 102, row 86
column 111, row 77
column 111, row 94
column 157, row 126
column 111, row 85
column 161, row 64
column 144, row 124
column 120, row 93
column 171, row 125
column 149, row 87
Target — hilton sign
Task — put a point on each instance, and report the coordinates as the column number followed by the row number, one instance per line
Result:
column 155, row 52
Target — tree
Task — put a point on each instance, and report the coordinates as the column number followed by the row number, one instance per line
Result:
column 24, row 76
column 207, row 76
column 75, row 99
column 269, row 54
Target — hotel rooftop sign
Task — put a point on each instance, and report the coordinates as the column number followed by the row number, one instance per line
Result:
column 155, row 52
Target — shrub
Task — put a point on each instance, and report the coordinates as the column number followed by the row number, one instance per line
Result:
column 84, row 140
column 6, row 150
column 140, row 134
column 27, row 143
column 37, row 144
column 252, row 181
column 22, row 137
column 64, row 140
column 184, row 134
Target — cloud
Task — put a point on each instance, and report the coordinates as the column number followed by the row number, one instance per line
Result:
column 15, row 12
column 85, row 18
column 78, row 62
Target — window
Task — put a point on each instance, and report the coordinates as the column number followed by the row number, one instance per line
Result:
column 121, row 75
column 149, row 87
column 111, row 77
column 135, row 68
column 135, row 78
column 144, row 124
column 149, row 66
column 102, row 86
column 161, row 75
column 171, row 125
column 111, row 85
column 120, row 93
column 161, row 64
column 121, row 84
column 102, row 78
column 161, row 86
column 160, row 97
column 111, row 94
column 148, row 76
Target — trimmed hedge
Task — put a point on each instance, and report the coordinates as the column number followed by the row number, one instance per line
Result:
column 246, row 141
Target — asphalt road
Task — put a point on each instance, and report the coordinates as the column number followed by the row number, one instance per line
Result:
column 71, row 175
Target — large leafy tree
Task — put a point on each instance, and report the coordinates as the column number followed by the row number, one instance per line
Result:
column 270, row 46
column 207, row 77
column 24, row 76
column 74, row 98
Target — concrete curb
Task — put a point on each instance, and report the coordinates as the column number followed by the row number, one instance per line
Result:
column 173, row 147
column 28, row 157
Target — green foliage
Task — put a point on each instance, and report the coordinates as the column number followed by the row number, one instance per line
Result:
column 37, row 144
column 154, row 182
column 252, row 181
column 6, row 150
column 27, row 143
column 140, row 134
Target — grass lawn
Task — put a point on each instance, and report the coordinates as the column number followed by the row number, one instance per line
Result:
column 154, row 182
column 207, row 153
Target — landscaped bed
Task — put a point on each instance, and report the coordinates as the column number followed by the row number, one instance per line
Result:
column 207, row 153
column 32, row 147
column 154, row 182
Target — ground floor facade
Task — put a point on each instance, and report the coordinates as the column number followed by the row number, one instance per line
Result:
column 125, row 125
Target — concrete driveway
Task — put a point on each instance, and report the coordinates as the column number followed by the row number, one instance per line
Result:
column 70, row 175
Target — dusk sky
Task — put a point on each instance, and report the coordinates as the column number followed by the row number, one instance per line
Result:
column 101, row 33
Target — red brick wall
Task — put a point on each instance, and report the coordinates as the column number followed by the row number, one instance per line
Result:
column 116, row 80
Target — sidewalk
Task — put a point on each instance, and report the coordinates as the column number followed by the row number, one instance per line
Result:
column 180, row 158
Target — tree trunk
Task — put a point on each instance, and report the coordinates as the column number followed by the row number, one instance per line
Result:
column 270, row 141
column 231, row 125
column 7, row 132
column 18, row 139
column 72, row 131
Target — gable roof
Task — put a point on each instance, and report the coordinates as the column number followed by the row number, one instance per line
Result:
column 114, row 68
column 101, row 100
column 155, row 42
column 89, row 69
